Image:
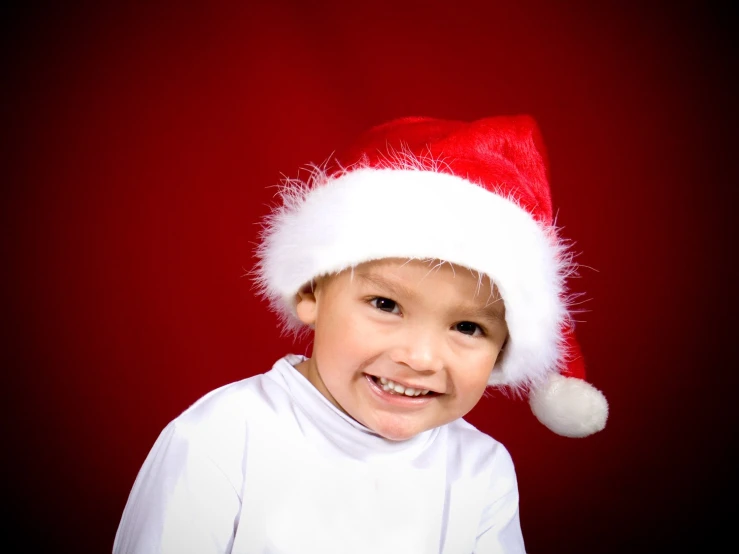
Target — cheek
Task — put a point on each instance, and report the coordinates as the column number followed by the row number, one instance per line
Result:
column 467, row 397
column 472, row 378
column 474, row 388
column 341, row 339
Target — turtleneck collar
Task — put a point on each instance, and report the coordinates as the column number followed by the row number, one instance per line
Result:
column 343, row 432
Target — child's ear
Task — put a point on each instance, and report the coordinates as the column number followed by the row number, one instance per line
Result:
column 306, row 305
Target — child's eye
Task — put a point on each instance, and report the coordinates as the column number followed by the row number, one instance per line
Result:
column 385, row 304
column 469, row 328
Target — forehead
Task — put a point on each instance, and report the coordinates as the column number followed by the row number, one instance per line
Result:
column 413, row 268
column 437, row 280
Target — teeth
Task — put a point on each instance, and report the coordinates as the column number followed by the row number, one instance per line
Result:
column 395, row 388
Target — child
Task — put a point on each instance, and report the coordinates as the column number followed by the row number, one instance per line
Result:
column 426, row 265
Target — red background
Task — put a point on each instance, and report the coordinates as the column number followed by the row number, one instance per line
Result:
column 143, row 140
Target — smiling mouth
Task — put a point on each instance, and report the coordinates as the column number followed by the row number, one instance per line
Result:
column 392, row 387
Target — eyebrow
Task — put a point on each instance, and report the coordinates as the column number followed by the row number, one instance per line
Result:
column 395, row 289
column 490, row 312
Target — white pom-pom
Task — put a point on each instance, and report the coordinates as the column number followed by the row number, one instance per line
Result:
column 570, row 407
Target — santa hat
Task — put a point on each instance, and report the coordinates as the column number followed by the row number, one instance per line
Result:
column 472, row 194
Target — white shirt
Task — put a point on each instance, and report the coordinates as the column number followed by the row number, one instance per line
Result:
column 268, row 465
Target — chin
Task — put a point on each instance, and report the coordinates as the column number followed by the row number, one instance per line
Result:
column 397, row 434
column 396, row 437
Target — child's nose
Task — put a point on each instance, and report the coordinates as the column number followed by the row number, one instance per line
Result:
column 420, row 349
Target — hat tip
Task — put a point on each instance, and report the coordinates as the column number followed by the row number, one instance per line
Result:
column 569, row 406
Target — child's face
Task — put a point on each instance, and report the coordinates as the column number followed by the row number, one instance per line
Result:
column 419, row 325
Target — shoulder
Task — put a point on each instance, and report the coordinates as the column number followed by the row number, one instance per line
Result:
column 483, row 502
column 228, row 412
column 218, row 429
column 477, row 452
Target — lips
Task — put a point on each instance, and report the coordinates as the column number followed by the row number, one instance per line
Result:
column 401, row 390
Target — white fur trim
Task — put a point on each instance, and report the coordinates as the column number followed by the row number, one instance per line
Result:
column 335, row 223
column 570, row 407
